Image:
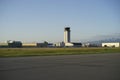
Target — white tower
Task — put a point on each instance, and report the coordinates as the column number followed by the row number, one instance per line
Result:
column 67, row 35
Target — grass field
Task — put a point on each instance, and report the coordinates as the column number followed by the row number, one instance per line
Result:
column 19, row 52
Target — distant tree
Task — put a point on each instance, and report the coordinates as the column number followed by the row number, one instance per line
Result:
column 105, row 45
column 45, row 42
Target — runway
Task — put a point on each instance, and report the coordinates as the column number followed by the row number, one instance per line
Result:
column 64, row 67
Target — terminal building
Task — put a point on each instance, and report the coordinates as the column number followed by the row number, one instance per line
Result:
column 66, row 43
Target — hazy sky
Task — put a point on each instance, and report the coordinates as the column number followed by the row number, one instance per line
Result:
column 40, row 20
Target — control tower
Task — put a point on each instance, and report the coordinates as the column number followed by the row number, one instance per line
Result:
column 67, row 35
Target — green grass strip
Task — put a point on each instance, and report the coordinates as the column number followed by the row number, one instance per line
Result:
column 20, row 52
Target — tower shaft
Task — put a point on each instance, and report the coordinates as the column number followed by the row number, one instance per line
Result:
column 67, row 35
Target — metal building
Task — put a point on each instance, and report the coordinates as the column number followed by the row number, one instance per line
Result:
column 14, row 44
column 115, row 44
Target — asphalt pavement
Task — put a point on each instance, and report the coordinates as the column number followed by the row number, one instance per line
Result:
column 64, row 67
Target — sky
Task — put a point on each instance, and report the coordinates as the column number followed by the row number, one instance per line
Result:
column 45, row 20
